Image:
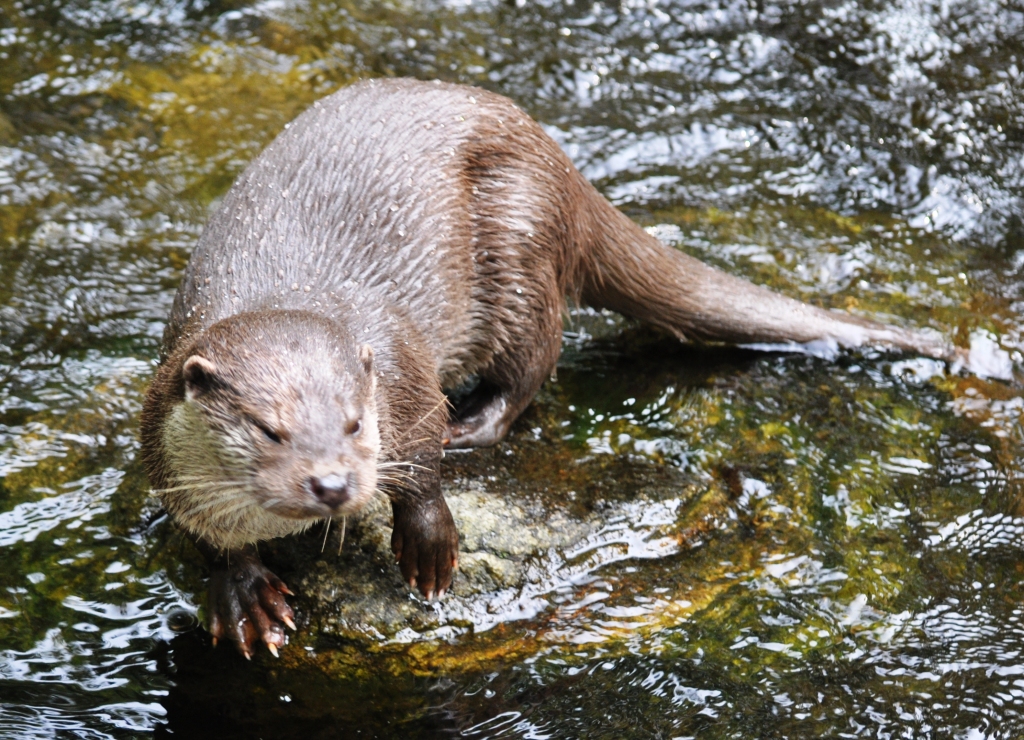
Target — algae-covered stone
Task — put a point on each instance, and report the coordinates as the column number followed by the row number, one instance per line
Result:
column 358, row 592
column 519, row 549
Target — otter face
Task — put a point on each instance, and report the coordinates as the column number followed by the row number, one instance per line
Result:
column 277, row 429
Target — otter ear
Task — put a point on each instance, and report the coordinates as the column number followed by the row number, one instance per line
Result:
column 366, row 358
column 200, row 375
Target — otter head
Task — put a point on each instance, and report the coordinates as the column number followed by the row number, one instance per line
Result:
column 276, row 428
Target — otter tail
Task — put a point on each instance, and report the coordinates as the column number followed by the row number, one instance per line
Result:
column 629, row 271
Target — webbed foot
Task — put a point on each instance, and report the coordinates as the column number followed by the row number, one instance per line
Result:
column 247, row 604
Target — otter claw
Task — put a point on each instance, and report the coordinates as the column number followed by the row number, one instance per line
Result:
column 247, row 605
column 424, row 541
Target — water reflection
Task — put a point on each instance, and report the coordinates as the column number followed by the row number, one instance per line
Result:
column 838, row 553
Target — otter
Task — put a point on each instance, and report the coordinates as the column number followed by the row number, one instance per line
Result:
column 398, row 238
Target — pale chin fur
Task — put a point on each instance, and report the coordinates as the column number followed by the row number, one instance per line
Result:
column 209, row 493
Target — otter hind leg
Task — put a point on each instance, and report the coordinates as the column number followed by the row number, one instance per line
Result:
column 480, row 419
column 488, row 413
column 506, row 388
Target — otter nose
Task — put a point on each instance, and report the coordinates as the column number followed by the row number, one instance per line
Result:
column 332, row 490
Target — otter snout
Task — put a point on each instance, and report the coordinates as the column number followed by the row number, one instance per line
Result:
column 332, row 490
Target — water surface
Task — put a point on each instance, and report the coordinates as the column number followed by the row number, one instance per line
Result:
column 862, row 574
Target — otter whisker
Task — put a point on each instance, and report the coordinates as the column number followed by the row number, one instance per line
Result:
column 327, row 531
column 187, row 487
column 393, row 477
column 392, row 464
column 237, row 501
column 395, row 474
column 381, row 466
column 205, row 477
column 415, row 441
column 341, row 541
column 444, row 400
column 395, row 481
column 205, row 485
column 197, row 480
column 396, row 477
column 225, row 511
column 184, row 477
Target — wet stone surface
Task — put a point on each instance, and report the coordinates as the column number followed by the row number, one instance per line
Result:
column 517, row 548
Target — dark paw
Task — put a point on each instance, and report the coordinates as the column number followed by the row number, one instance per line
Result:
column 247, row 604
column 426, row 544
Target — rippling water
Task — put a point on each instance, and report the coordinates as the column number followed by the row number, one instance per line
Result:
column 863, row 575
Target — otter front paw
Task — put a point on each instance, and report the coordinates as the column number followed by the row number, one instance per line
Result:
column 247, row 604
column 426, row 544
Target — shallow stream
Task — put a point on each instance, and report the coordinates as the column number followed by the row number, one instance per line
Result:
column 786, row 545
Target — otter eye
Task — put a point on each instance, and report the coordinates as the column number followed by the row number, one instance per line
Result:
column 267, row 431
column 354, row 427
